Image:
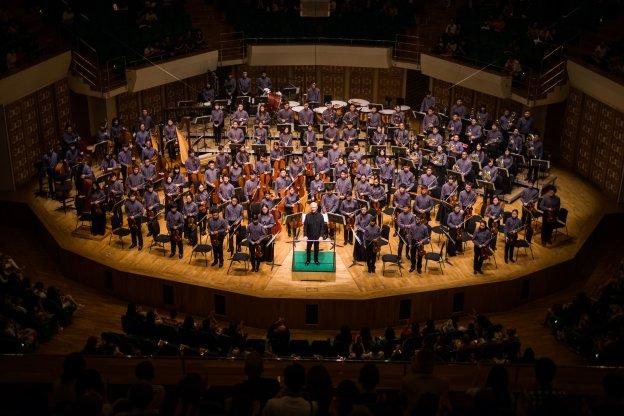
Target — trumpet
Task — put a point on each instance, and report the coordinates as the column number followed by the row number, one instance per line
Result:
column 474, row 156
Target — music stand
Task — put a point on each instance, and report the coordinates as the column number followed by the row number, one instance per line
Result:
column 486, row 186
column 288, row 151
column 376, row 172
column 357, row 239
column 336, row 219
column 362, row 203
column 370, row 131
column 239, row 193
column 281, row 127
column 103, row 177
column 542, row 166
column 326, row 147
column 259, row 150
column 235, row 148
column 290, row 218
column 457, row 175
column 302, row 128
column 399, row 152
column 390, row 131
column 222, row 102
column 330, row 186
column 245, row 100
column 374, row 149
column 272, row 241
column 204, row 135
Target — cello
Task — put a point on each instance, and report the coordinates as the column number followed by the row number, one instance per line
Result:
column 278, row 165
column 299, row 185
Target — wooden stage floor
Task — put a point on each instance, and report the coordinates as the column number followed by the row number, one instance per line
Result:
column 585, row 204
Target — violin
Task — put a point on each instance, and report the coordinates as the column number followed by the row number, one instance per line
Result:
column 176, row 235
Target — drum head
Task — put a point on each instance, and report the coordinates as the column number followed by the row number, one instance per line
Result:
column 386, row 111
column 365, row 110
column 405, row 108
column 293, row 103
column 359, row 102
column 297, row 108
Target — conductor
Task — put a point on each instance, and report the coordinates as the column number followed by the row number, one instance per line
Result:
column 313, row 230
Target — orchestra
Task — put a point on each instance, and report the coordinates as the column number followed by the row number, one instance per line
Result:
column 375, row 169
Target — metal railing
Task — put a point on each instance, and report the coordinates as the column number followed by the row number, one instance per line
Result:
column 231, row 46
column 407, row 48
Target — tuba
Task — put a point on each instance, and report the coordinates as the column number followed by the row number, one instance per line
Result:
column 486, row 175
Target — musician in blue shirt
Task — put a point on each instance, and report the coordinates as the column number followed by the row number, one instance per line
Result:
column 512, row 226
column 175, row 225
column 134, row 212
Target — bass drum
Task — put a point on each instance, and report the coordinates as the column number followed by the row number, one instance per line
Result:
column 386, row 116
column 274, row 101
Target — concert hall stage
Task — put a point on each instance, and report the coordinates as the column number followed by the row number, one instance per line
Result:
column 354, row 296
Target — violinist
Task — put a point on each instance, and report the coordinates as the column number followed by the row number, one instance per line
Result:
column 175, row 225
column 455, row 222
column 308, row 137
column 236, row 174
column 192, row 166
column 125, row 159
column 262, row 166
column 372, row 235
column 170, row 132
column 343, row 185
column 172, row 192
column 348, row 209
column 363, row 169
column 202, row 199
column 418, row 237
column 334, row 154
column 481, row 240
column 115, row 193
column 285, row 138
column 236, row 135
column 549, row 205
column 218, row 117
column 256, row 233
column 290, row 200
column 423, row 205
column 295, row 168
column 321, row 163
column 405, row 222
column 330, row 204
column 217, row 227
column 136, row 181
column 362, row 219
column 233, row 215
column 494, row 213
column 377, row 195
column 134, row 212
column 317, row 187
column 148, row 171
column 277, row 153
column 283, row 181
column 242, row 156
column 260, row 134
column 98, row 213
column 226, row 190
column 251, row 187
column 386, row 174
column 448, row 189
column 108, row 164
column 331, row 133
column 190, row 211
column 340, row 167
column 362, row 188
column 152, row 205
column 512, row 226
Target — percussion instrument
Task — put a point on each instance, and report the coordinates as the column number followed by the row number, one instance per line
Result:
column 386, row 115
column 339, row 106
column 274, row 101
column 318, row 113
column 296, row 109
column 364, row 114
column 358, row 102
column 405, row 108
column 294, row 104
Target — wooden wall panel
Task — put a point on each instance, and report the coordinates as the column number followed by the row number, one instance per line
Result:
column 511, row 105
column 31, row 135
column 391, row 82
column 128, row 109
column 361, row 82
column 602, row 131
column 332, row 82
column 280, row 75
column 194, row 85
column 569, row 137
column 174, row 92
column 17, row 142
column 466, row 95
column 152, row 100
column 490, row 102
column 442, row 93
column 63, row 107
column 48, row 127
column 586, row 142
column 303, row 76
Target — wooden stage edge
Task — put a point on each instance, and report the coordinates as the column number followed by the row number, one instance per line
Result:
column 355, row 298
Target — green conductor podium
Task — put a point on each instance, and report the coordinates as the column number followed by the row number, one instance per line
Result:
column 326, row 269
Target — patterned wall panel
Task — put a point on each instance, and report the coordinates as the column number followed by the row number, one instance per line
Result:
column 174, row 92
column 586, row 142
column 361, row 82
column 442, row 94
column 47, row 118
column 489, row 101
column 569, row 138
column 615, row 160
column 194, row 85
column 333, row 81
column 391, row 83
column 152, row 100
column 17, row 142
column 602, row 132
column 465, row 94
column 303, row 76
column 128, row 109
column 31, row 133
column 63, row 107
column 511, row 105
